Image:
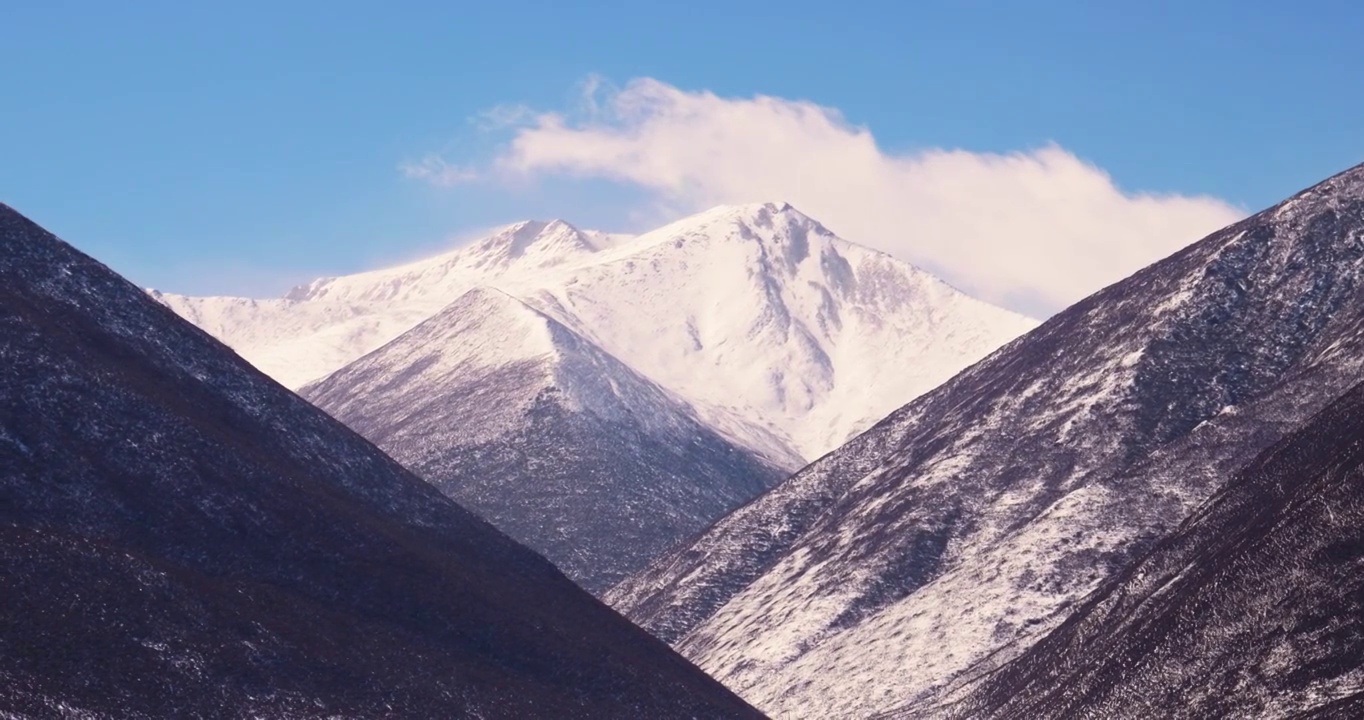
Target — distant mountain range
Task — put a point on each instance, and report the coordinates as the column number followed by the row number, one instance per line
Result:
column 602, row 397
column 182, row 537
column 776, row 330
column 1151, row 505
column 963, row 527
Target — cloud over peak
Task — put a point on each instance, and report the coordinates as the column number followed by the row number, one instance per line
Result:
column 1033, row 230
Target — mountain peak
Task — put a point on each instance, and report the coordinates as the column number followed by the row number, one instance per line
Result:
column 768, row 224
column 761, row 214
column 809, row 318
column 545, row 434
column 526, row 246
column 484, row 322
column 532, row 243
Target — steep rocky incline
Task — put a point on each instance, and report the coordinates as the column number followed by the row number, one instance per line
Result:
column 182, row 537
column 554, row 441
column 1253, row 608
column 955, row 532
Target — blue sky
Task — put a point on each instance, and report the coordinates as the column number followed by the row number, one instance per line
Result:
column 244, row 147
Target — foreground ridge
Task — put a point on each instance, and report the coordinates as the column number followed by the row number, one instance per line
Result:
column 181, row 537
column 1254, row 607
column 964, row 526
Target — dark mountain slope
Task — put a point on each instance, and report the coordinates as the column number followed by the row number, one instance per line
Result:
column 181, row 537
column 545, row 435
column 1253, row 608
column 965, row 525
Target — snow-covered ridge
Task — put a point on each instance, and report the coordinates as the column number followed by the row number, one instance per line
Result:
column 479, row 340
column 320, row 326
column 544, row 434
column 778, row 332
column 761, row 312
column 521, row 247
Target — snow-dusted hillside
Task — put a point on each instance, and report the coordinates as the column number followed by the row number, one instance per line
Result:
column 778, row 333
column 956, row 531
column 539, row 431
column 1253, row 608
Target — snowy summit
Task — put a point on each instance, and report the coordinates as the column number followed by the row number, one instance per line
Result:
column 780, row 334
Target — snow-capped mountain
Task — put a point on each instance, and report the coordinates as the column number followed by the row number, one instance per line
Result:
column 955, row 532
column 603, row 397
column 1253, row 608
column 182, row 537
column 554, row 441
column 318, row 327
column 778, row 333
column 761, row 313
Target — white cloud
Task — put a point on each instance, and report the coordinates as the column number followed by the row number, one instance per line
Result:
column 437, row 171
column 1034, row 230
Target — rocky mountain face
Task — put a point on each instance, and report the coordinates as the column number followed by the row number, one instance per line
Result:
column 1254, row 607
column 956, row 532
column 602, row 398
column 182, row 537
column 758, row 312
column 555, row 442
column 777, row 332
